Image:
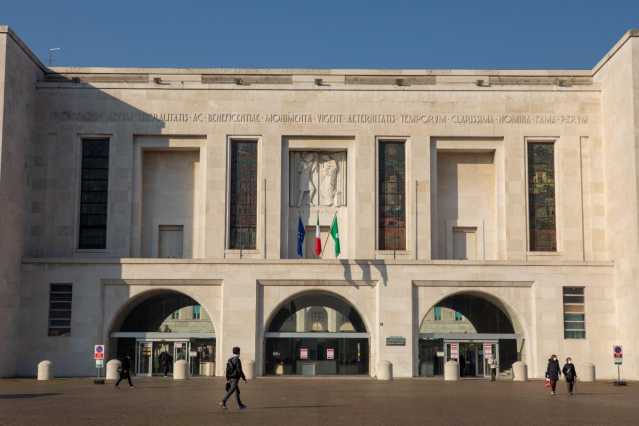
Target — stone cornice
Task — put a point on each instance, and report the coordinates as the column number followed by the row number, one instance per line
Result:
column 474, row 284
column 159, row 282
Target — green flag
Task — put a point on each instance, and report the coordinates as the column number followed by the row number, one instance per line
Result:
column 335, row 235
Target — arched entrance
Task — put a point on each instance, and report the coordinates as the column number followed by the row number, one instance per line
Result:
column 316, row 333
column 160, row 327
column 473, row 329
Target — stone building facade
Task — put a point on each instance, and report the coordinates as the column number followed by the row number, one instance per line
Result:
column 505, row 198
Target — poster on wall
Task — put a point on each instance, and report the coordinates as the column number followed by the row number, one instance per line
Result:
column 488, row 349
column 303, row 353
column 330, row 353
column 454, row 351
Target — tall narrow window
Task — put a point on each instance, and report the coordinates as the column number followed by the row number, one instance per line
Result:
column 541, row 197
column 437, row 313
column 392, row 196
column 243, row 195
column 60, row 298
column 574, row 313
column 458, row 316
column 197, row 312
column 94, row 194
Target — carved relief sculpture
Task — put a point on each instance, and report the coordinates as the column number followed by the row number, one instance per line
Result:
column 318, row 178
column 328, row 170
column 306, row 172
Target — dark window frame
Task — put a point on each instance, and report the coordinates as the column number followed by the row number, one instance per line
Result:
column 60, row 318
column 94, row 195
column 574, row 328
column 242, row 196
column 391, row 229
column 541, row 239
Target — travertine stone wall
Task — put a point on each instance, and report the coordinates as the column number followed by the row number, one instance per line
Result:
column 18, row 74
column 446, row 117
column 619, row 77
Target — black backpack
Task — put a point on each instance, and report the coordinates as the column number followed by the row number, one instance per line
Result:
column 231, row 369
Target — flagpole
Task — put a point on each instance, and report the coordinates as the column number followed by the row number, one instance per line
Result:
column 328, row 236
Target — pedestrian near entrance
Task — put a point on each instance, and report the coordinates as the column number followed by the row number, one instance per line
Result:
column 233, row 375
column 553, row 372
column 570, row 374
column 125, row 371
column 493, row 369
column 165, row 362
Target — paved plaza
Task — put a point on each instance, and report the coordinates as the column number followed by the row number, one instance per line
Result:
column 272, row 401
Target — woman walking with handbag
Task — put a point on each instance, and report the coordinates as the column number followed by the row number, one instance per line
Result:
column 553, row 372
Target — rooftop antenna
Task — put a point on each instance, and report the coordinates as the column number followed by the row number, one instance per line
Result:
column 51, row 51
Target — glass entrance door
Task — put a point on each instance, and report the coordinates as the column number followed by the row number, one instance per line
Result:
column 143, row 358
column 163, row 358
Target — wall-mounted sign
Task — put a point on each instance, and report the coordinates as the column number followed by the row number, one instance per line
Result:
column 395, row 341
column 488, row 349
column 330, row 353
column 454, row 350
column 303, row 353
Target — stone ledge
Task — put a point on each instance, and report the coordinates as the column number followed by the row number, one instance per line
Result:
column 474, row 284
column 160, row 282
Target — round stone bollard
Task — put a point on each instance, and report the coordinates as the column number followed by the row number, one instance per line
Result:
column 384, row 370
column 520, row 372
column 451, row 371
column 45, row 370
column 249, row 369
column 586, row 372
column 180, row 371
column 112, row 368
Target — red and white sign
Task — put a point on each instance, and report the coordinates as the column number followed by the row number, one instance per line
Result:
column 454, row 350
column 98, row 352
column 617, row 351
column 330, row 353
column 488, row 349
column 303, row 353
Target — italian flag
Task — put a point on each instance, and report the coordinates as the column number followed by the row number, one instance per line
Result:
column 318, row 239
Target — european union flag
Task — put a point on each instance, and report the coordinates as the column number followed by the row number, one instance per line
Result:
column 301, row 233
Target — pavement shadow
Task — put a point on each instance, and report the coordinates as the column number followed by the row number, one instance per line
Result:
column 274, row 407
column 26, row 395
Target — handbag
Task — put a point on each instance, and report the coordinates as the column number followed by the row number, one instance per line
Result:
column 547, row 382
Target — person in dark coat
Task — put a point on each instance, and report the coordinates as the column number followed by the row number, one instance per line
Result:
column 165, row 362
column 553, row 372
column 125, row 371
column 233, row 375
column 570, row 374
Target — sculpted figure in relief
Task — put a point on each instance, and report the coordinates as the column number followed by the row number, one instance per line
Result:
column 328, row 171
column 306, row 171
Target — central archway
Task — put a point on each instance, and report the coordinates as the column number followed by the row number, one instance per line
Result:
column 159, row 327
column 316, row 333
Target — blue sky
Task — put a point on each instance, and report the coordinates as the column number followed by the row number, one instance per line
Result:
column 323, row 34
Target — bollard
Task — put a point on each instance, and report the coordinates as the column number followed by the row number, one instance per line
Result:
column 45, row 370
column 384, row 370
column 179, row 370
column 520, row 372
column 249, row 369
column 112, row 368
column 451, row 371
column 586, row 372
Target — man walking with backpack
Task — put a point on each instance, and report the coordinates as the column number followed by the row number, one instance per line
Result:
column 233, row 375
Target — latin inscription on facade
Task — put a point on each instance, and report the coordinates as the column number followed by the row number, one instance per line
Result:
column 328, row 119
